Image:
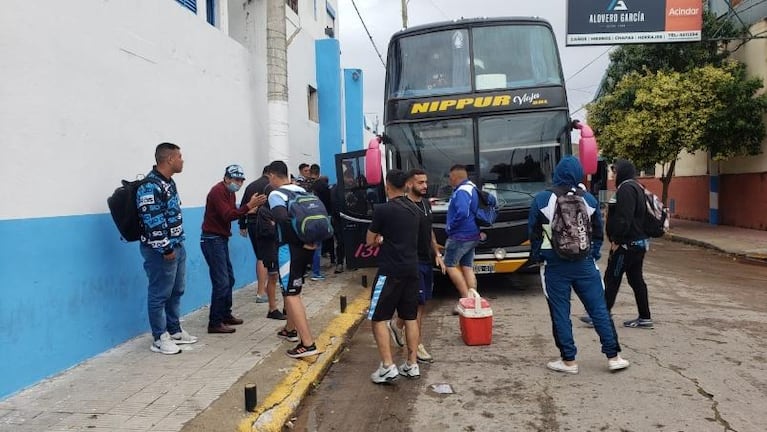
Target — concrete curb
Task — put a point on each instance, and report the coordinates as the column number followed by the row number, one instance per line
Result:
column 755, row 258
column 277, row 408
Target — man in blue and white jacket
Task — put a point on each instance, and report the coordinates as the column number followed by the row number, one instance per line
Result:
column 559, row 275
column 462, row 231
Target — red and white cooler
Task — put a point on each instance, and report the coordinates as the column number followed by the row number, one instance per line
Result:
column 476, row 319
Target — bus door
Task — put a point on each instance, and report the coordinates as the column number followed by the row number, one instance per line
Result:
column 353, row 201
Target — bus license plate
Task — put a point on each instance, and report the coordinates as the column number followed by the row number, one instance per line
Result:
column 484, row 268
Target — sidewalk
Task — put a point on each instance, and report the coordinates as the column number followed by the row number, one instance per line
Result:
column 130, row 388
column 744, row 243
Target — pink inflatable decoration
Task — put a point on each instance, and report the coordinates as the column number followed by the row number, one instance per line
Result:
column 373, row 171
column 587, row 148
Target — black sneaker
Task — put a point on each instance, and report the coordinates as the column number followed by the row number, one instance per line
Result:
column 639, row 323
column 276, row 314
column 302, row 351
column 290, row 336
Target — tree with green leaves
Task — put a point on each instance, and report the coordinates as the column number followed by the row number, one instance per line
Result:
column 659, row 99
column 651, row 117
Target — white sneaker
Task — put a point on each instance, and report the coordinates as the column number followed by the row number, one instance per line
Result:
column 617, row 363
column 165, row 345
column 560, row 366
column 183, row 337
column 384, row 375
column 422, row 355
column 397, row 334
column 411, row 371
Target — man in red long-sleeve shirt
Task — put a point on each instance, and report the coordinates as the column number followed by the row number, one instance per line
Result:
column 220, row 211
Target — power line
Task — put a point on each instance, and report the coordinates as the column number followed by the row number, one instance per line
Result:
column 369, row 36
column 438, row 9
column 589, row 64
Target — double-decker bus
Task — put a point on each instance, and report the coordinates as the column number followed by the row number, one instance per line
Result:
column 485, row 93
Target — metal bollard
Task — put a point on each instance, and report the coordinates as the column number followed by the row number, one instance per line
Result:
column 365, row 281
column 251, row 398
column 343, row 304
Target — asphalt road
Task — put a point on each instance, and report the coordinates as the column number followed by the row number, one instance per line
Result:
column 703, row 367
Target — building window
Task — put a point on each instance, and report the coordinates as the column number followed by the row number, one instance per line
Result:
column 210, row 9
column 189, row 4
column 293, row 5
column 314, row 111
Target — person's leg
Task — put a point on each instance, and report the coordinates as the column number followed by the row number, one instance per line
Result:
column 161, row 278
column 614, row 275
column 285, row 264
column 407, row 309
column 213, row 252
column 260, row 270
column 634, row 264
column 587, row 285
column 230, row 280
column 556, row 287
column 452, row 256
column 316, row 261
column 467, row 265
column 262, row 276
column 300, row 257
column 173, row 305
column 381, row 336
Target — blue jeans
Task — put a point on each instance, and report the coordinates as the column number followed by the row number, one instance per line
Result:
column 215, row 249
column 460, row 252
column 167, row 280
column 559, row 277
column 316, row 261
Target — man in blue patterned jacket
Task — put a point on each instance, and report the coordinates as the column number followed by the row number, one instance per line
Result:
column 162, row 246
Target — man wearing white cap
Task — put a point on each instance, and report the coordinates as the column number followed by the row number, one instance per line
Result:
column 220, row 211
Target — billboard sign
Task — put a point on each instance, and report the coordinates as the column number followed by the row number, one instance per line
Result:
column 612, row 22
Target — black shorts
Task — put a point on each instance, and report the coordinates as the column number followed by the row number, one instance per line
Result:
column 266, row 251
column 392, row 293
column 292, row 261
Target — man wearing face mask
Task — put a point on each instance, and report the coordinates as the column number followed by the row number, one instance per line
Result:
column 220, row 211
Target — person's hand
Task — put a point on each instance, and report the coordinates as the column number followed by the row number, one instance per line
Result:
column 256, row 200
column 614, row 247
column 171, row 256
column 440, row 263
column 243, row 232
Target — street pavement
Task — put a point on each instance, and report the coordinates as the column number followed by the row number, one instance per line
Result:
column 130, row 388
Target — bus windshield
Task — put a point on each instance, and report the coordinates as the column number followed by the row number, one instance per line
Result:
column 517, row 153
column 505, row 57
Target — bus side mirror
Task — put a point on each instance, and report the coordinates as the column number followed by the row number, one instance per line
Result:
column 373, row 169
column 587, row 148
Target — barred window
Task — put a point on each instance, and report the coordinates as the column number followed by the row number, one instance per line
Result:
column 189, row 4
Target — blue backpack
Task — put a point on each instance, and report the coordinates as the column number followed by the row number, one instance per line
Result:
column 487, row 209
column 308, row 217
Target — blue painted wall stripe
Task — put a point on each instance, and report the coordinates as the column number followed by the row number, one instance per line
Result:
column 355, row 121
column 328, row 55
column 71, row 289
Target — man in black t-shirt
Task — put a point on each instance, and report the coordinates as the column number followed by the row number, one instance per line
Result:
column 265, row 248
column 429, row 256
column 395, row 230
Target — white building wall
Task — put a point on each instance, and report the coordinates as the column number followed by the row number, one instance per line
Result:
column 101, row 86
column 754, row 55
column 88, row 88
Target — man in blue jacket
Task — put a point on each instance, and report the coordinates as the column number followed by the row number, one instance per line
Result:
column 462, row 231
column 559, row 275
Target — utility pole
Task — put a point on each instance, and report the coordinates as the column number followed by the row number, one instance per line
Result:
column 277, row 79
column 404, row 13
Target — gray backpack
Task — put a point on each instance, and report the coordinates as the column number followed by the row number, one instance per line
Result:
column 570, row 225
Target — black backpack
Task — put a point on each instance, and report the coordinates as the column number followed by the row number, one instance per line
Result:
column 122, row 206
column 570, row 225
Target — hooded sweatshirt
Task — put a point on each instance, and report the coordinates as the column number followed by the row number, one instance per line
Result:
column 626, row 212
column 568, row 173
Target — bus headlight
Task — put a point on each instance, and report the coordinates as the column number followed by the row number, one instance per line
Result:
column 499, row 253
